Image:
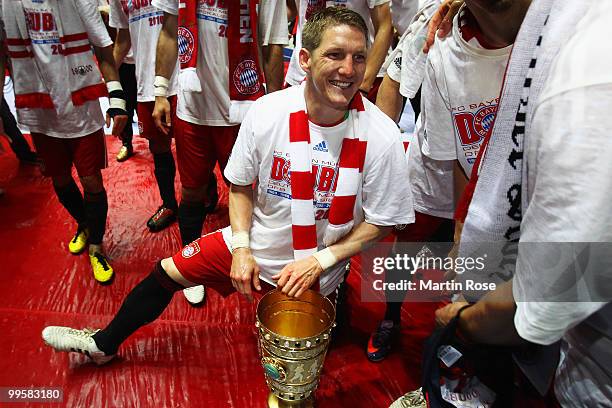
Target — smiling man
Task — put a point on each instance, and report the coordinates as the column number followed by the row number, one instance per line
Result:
column 317, row 172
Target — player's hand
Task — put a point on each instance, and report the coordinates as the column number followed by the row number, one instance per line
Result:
column 441, row 22
column 162, row 114
column 244, row 271
column 119, row 123
column 298, row 276
column 445, row 314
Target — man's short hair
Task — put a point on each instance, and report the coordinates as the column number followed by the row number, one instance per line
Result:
column 327, row 18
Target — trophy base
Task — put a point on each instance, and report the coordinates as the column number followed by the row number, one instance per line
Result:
column 275, row 402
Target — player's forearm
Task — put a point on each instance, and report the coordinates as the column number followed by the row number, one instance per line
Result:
column 107, row 63
column 167, row 47
column 381, row 18
column 389, row 99
column 123, row 43
column 491, row 319
column 240, row 208
column 359, row 239
column 273, row 66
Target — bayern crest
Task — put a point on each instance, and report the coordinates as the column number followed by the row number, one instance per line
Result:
column 246, row 78
column 190, row 250
column 186, row 45
column 484, row 118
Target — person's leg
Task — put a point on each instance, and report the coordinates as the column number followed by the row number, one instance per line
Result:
column 89, row 157
column 56, row 162
column 422, row 230
column 195, row 159
column 205, row 261
column 164, row 166
column 127, row 77
column 17, row 142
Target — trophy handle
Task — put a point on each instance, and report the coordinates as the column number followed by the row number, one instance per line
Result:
column 274, row 369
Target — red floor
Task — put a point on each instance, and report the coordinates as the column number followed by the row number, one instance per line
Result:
column 190, row 357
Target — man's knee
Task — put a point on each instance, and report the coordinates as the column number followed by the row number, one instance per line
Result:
column 169, row 276
column 93, row 183
column 62, row 180
column 193, row 195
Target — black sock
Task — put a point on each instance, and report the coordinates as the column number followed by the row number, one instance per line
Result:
column 96, row 208
column 143, row 304
column 164, row 174
column 393, row 312
column 72, row 200
column 191, row 220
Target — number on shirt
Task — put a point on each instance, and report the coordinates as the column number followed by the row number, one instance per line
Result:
column 56, row 49
column 156, row 20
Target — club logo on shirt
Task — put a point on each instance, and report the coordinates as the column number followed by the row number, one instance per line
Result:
column 472, row 127
column 190, row 250
column 186, row 45
column 246, row 78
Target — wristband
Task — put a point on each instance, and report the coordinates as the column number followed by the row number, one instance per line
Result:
column 240, row 240
column 116, row 97
column 326, row 258
column 160, row 86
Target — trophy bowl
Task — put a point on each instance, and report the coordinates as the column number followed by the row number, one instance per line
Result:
column 294, row 335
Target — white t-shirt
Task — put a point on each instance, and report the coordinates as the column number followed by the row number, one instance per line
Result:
column 211, row 106
column 460, row 93
column 144, row 22
column 261, row 155
column 431, row 181
column 295, row 74
column 73, row 121
column 402, row 13
column 569, row 191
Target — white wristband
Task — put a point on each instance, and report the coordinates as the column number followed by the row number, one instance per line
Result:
column 113, row 86
column 116, row 103
column 160, row 86
column 240, row 240
column 326, row 258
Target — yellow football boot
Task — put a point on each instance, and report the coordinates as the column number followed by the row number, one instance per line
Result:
column 102, row 270
column 78, row 243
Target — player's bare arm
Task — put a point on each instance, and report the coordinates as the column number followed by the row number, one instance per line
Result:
column 165, row 62
column 298, row 276
column 383, row 35
column 273, row 66
column 389, row 99
column 109, row 72
column 123, row 43
column 244, row 269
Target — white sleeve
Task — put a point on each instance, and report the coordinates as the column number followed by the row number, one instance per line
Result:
column 92, row 21
column 117, row 17
column 167, row 6
column 243, row 165
column 374, row 3
column 393, row 64
column 387, row 198
column 570, row 194
column 273, row 22
column 439, row 136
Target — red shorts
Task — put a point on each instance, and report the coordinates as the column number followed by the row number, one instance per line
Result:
column 147, row 127
column 422, row 229
column 199, row 147
column 87, row 153
column 207, row 261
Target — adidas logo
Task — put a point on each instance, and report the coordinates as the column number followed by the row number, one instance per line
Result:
column 321, row 147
